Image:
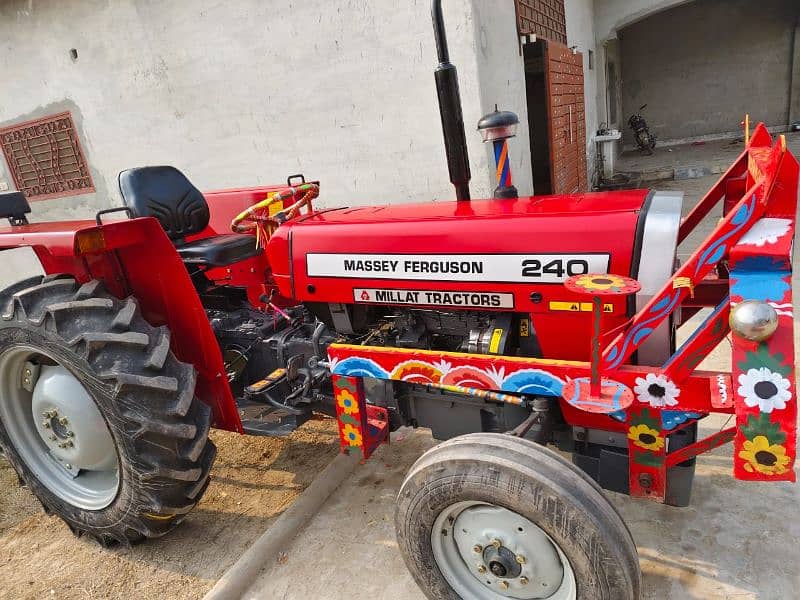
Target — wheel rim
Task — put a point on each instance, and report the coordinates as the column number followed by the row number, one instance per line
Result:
column 57, row 429
column 488, row 552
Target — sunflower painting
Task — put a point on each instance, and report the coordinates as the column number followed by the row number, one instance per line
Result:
column 762, row 457
column 351, row 435
column 347, row 402
column 646, row 437
column 764, row 447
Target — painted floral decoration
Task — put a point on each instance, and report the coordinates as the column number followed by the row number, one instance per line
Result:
column 760, row 278
column 646, row 437
column 602, row 282
column 351, row 435
column 416, row 371
column 656, row 390
column 764, row 388
column 766, row 231
column 347, row 402
column 764, row 449
column 763, row 457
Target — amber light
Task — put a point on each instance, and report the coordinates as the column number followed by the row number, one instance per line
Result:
column 88, row 241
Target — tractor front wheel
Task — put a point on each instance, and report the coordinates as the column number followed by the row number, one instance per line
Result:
column 97, row 416
column 491, row 516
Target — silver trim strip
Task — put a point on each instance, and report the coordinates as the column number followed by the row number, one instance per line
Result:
column 656, row 265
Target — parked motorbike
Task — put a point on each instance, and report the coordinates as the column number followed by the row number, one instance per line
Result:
column 644, row 139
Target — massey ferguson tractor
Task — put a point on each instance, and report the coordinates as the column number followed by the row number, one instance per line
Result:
column 504, row 325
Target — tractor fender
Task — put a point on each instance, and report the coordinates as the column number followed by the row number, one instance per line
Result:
column 136, row 258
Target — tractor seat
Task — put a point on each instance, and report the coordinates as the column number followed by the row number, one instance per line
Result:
column 218, row 250
column 166, row 194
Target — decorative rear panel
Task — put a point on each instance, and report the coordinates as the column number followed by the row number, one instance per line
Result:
column 45, row 158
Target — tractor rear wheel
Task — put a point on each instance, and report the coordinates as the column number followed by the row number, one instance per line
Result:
column 490, row 516
column 97, row 416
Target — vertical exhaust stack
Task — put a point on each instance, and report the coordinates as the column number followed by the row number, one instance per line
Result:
column 455, row 141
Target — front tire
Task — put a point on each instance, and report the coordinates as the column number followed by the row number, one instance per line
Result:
column 97, row 416
column 491, row 516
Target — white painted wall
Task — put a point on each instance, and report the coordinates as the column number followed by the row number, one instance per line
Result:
column 580, row 19
column 501, row 71
column 244, row 93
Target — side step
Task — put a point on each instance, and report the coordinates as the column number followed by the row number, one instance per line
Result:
column 265, row 420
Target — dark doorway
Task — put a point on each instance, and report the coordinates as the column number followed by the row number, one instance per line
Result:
column 536, row 92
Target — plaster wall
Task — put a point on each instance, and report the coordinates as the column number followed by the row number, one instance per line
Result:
column 245, row 93
column 700, row 80
column 612, row 15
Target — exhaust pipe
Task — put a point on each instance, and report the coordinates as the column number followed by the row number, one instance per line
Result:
column 455, row 141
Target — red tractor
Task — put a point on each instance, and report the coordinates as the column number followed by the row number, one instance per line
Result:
column 503, row 325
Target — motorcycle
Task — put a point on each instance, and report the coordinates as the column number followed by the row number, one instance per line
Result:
column 644, row 139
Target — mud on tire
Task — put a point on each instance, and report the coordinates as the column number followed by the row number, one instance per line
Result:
column 146, row 396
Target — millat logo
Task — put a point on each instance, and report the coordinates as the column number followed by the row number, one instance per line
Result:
column 365, row 296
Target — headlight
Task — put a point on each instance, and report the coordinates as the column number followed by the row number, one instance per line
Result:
column 753, row 320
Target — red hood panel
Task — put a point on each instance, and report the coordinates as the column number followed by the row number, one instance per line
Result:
column 506, row 249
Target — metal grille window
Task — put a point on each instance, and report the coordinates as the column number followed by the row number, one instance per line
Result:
column 545, row 18
column 45, row 158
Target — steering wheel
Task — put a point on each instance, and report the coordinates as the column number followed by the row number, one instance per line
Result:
column 257, row 217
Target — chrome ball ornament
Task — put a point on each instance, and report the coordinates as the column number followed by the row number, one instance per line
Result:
column 753, row 320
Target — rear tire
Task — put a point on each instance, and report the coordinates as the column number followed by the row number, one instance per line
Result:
column 141, row 396
column 538, row 509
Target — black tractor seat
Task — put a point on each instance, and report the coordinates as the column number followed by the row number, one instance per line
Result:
column 166, row 194
column 218, row 250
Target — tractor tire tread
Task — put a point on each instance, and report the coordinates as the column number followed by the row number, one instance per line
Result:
column 145, row 393
column 533, row 481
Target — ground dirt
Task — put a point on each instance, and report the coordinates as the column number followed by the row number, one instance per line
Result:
column 253, row 481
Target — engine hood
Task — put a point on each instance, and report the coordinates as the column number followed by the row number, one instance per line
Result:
column 482, row 255
column 445, row 245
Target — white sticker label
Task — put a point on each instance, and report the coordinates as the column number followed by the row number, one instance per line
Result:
column 527, row 268
column 457, row 299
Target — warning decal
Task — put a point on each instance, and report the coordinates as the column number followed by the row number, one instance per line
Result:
column 578, row 306
column 456, row 299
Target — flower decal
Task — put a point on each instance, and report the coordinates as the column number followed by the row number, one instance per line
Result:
column 351, row 435
column 656, row 390
column 347, row 402
column 468, row 376
column 646, row 437
column 603, row 282
column 764, row 388
column 355, row 366
column 416, row 371
column 766, row 231
column 533, row 381
column 762, row 457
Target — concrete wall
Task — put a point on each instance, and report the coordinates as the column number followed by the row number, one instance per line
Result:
column 247, row 92
column 612, row 15
column 580, row 32
column 701, row 66
column 501, row 77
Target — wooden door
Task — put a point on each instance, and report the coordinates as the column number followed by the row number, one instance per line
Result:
column 566, row 113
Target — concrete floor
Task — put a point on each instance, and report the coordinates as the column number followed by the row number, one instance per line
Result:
column 689, row 160
column 737, row 540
